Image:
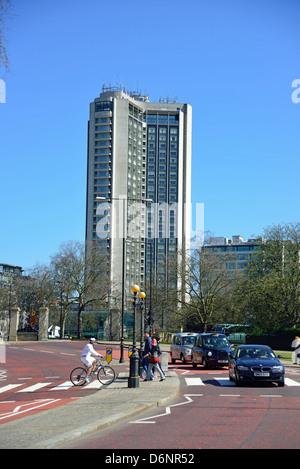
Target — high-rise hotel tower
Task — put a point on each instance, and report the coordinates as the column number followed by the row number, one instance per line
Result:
column 138, row 184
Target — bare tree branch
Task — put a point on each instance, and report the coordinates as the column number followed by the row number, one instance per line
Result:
column 5, row 13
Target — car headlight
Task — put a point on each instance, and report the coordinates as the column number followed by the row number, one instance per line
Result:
column 242, row 368
column 188, row 351
column 209, row 354
column 278, row 368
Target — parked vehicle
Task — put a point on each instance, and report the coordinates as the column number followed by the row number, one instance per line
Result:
column 255, row 363
column 211, row 350
column 181, row 347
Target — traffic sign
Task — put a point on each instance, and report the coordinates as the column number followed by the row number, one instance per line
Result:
column 108, row 355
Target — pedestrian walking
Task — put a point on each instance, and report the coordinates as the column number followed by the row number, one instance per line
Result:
column 296, row 346
column 145, row 359
column 159, row 354
column 154, row 360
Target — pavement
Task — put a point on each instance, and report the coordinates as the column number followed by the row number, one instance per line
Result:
column 62, row 426
column 56, row 428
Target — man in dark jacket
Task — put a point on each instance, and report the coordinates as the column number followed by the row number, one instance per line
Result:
column 147, row 349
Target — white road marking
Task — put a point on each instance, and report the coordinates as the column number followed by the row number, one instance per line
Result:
column 291, row 382
column 34, row 387
column 63, row 386
column 93, row 385
column 168, row 409
column 17, row 410
column 225, row 382
column 194, row 382
column 8, row 387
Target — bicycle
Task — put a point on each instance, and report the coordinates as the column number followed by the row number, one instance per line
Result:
column 105, row 374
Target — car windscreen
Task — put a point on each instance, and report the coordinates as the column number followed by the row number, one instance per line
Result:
column 188, row 340
column 256, row 352
column 216, row 342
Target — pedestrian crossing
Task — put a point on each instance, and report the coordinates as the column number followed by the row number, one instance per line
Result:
column 34, row 387
column 194, row 382
column 95, row 384
column 226, row 382
column 64, row 386
column 291, row 382
column 9, row 387
column 68, row 384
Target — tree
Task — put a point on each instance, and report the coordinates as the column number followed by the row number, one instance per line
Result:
column 32, row 291
column 206, row 286
column 5, row 12
column 80, row 271
column 270, row 290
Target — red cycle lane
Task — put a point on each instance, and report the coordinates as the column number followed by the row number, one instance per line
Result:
column 10, row 410
column 33, row 369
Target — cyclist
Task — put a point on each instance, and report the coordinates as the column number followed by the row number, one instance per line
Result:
column 87, row 355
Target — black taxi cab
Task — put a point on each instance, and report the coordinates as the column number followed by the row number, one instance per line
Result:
column 210, row 350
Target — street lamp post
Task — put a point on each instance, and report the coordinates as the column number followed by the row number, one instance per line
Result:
column 121, row 360
column 123, row 287
column 150, row 320
column 99, row 198
column 59, row 283
column 133, row 380
column 142, row 296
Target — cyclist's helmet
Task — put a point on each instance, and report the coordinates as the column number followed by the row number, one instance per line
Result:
column 92, row 340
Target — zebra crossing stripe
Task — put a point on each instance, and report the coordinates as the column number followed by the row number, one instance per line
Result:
column 9, row 387
column 291, row 382
column 225, row 382
column 194, row 382
column 93, row 385
column 35, row 387
column 63, row 386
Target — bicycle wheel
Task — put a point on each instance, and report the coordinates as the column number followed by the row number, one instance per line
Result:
column 106, row 375
column 78, row 376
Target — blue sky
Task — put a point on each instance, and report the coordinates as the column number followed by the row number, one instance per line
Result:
column 234, row 61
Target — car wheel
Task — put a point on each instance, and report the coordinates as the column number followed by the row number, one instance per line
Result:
column 204, row 363
column 172, row 359
column 193, row 363
column 237, row 381
column 182, row 358
column 281, row 384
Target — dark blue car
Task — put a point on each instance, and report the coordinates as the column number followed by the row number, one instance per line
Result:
column 255, row 363
column 211, row 350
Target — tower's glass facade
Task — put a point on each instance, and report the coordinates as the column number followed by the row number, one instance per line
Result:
column 137, row 151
